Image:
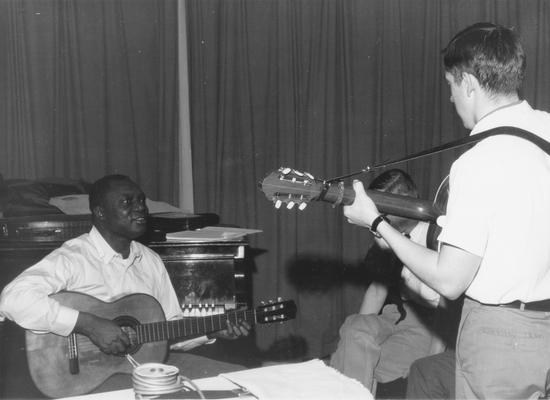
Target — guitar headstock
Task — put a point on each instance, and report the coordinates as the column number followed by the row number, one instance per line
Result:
column 287, row 185
column 276, row 311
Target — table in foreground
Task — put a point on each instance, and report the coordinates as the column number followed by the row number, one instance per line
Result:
column 297, row 381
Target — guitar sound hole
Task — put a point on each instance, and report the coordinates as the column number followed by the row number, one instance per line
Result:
column 128, row 325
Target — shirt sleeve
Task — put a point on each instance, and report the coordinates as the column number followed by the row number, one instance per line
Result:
column 468, row 208
column 26, row 299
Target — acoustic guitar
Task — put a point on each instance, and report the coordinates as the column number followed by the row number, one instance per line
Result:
column 295, row 188
column 287, row 185
column 69, row 366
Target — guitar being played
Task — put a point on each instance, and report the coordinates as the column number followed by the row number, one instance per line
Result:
column 73, row 365
column 107, row 264
column 287, row 185
column 295, row 188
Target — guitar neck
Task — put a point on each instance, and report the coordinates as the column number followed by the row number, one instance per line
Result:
column 387, row 203
column 190, row 327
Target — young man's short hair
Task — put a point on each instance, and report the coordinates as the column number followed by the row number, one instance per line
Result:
column 490, row 52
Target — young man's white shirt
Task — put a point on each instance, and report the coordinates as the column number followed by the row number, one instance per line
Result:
column 499, row 209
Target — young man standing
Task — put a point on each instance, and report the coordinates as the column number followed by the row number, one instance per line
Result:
column 495, row 239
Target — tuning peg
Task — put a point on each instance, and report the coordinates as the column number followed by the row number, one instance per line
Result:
column 278, row 204
column 285, row 170
column 302, row 206
column 290, row 205
column 279, row 299
column 309, row 175
column 298, row 173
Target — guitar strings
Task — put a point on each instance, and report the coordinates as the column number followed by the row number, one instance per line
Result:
column 85, row 344
column 154, row 379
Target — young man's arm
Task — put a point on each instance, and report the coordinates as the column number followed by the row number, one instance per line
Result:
column 449, row 272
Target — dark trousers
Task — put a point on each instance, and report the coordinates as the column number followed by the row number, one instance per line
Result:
column 432, row 377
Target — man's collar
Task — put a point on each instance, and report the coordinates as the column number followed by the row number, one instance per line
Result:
column 498, row 116
column 106, row 252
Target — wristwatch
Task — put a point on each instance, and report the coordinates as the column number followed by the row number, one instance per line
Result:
column 374, row 226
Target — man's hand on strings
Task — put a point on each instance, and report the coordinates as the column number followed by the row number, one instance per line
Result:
column 363, row 210
column 104, row 333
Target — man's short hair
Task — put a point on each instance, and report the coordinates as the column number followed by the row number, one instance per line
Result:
column 101, row 187
column 490, row 52
column 395, row 181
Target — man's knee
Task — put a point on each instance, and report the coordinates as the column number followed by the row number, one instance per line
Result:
column 416, row 368
column 421, row 366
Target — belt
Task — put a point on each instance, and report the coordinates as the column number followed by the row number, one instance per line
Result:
column 541, row 305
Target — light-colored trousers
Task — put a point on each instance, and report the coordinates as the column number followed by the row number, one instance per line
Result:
column 501, row 353
column 372, row 347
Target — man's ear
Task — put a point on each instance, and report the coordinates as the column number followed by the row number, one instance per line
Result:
column 98, row 212
column 470, row 83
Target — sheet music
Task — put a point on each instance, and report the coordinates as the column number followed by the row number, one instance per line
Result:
column 210, row 234
column 300, row 381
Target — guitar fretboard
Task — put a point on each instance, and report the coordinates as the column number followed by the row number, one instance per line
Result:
column 166, row 330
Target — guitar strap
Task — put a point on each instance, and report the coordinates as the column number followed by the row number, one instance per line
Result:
column 501, row 130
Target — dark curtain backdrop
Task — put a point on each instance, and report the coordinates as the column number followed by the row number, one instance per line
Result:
column 89, row 88
column 328, row 87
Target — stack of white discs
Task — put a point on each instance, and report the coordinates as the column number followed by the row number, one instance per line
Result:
column 153, row 379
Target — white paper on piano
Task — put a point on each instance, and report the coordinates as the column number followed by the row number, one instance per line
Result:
column 310, row 380
column 210, row 234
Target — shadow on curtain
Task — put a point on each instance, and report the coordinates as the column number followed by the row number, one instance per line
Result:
column 327, row 87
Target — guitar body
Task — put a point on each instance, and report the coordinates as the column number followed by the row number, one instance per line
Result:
column 48, row 354
column 56, row 371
